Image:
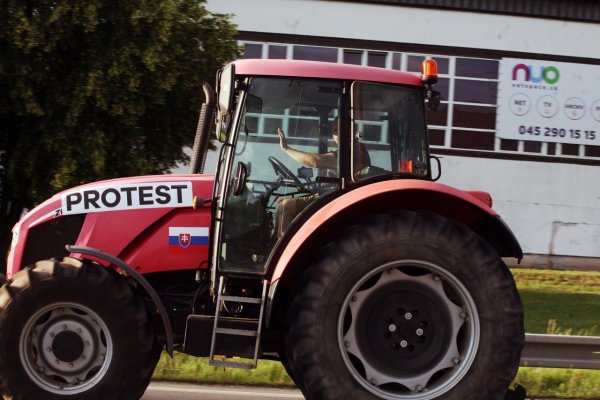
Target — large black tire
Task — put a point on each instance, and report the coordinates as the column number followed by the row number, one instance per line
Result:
column 409, row 306
column 72, row 329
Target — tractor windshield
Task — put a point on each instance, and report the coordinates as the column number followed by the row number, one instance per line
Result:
column 388, row 126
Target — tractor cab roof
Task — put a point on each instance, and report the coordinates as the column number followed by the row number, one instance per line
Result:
column 325, row 70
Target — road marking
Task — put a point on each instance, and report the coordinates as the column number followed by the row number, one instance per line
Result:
column 226, row 392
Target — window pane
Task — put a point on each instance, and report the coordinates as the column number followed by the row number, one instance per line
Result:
column 278, row 52
column 377, row 59
column 252, row 50
column 442, row 86
column 476, row 68
column 509, row 144
column 473, row 140
column 414, row 64
column 314, row 53
column 474, row 117
column 551, row 148
column 396, row 60
column 532, row 147
column 436, row 137
column 352, row 57
column 592, row 151
column 393, row 138
column 439, row 116
column 570, row 149
column 475, row 91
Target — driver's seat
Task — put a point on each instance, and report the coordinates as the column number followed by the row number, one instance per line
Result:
column 288, row 209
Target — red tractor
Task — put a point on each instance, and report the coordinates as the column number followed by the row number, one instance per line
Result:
column 323, row 241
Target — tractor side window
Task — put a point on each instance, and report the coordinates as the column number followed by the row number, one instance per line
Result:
column 285, row 141
column 389, row 131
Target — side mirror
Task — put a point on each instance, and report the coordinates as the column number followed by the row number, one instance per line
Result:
column 436, row 173
column 226, row 95
column 433, row 100
column 241, row 174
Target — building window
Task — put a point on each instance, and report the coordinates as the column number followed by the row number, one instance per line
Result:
column 438, row 117
column 277, row 52
column 477, row 68
column 509, row 144
column 475, row 91
column 480, row 117
column 397, row 61
column 437, row 137
column 592, row 151
column 532, row 147
column 570, row 149
column 252, row 50
column 376, row 59
column 473, row 140
column 314, row 53
column 352, row 57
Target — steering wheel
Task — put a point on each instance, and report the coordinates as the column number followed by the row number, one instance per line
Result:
column 284, row 171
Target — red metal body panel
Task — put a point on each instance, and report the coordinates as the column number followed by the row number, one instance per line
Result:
column 138, row 236
column 315, row 69
column 360, row 194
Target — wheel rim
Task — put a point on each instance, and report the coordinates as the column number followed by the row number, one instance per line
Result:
column 408, row 330
column 66, row 348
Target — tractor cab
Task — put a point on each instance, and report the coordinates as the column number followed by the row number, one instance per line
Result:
column 297, row 134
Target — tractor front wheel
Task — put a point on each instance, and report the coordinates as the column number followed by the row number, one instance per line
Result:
column 73, row 329
column 407, row 306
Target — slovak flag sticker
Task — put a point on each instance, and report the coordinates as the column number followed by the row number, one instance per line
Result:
column 187, row 239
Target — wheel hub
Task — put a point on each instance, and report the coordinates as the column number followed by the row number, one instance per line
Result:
column 407, row 327
column 65, row 348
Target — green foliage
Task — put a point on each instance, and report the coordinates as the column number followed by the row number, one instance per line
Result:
column 560, row 383
column 95, row 89
column 184, row 368
column 560, row 302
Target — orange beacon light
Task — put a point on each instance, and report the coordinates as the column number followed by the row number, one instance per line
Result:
column 429, row 71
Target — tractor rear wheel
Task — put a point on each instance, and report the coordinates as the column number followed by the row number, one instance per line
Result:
column 73, row 329
column 409, row 306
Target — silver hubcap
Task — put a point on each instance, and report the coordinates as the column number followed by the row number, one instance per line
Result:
column 408, row 330
column 65, row 348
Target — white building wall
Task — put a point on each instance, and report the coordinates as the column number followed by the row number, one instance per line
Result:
column 553, row 208
column 412, row 25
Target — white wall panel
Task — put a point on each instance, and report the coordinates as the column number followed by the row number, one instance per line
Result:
column 413, row 25
column 552, row 208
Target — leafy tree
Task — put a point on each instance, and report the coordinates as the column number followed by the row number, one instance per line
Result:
column 95, row 89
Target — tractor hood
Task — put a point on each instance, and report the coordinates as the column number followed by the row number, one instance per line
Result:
column 109, row 215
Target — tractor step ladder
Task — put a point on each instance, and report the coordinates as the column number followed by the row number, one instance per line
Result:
column 217, row 330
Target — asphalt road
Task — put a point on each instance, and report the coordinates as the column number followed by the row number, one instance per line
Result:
column 182, row 391
column 186, row 391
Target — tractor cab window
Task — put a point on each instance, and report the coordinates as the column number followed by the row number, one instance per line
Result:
column 285, row 141
column 389, row 128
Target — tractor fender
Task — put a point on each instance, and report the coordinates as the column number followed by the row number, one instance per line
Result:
column 139, row 278
column 466, row 207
